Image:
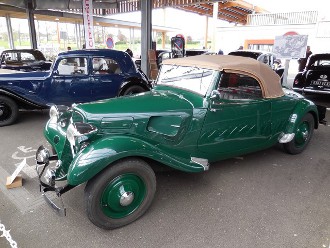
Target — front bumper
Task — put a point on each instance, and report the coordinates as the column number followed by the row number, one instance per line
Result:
column 43, row 159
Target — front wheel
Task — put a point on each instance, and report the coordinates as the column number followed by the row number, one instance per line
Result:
column 302, row 136
column 8, row 111
column 120, row 194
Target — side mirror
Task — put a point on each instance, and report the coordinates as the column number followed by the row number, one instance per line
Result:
column 55, row 72
column 214, row 95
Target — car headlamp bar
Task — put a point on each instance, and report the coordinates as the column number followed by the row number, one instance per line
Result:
column 79, row 130
column 57, row 110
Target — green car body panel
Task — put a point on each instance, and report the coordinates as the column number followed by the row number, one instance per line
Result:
column 202, row 109
column 169, row 127
column 173, row 126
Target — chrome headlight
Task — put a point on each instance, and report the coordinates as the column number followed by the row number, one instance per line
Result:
column 60, row 113
column 53, row 113
column 42, row 155
column 79, row 132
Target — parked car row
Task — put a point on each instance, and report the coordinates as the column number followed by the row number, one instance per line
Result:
column 202, row 109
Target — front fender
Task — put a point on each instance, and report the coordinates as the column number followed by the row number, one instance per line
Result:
column 300, row 110
column 103, row 152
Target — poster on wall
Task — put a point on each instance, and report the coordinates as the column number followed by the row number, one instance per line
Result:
column 290, row 46
column 88, row 23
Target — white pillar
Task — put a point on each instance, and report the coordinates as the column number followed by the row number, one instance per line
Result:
column 215, row 19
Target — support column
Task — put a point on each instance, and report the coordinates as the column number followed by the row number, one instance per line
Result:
column 146, row 26
column 206, row 31
column 215, row 19
column 163, row 39
column 77, row 34
column 32, row 29
column 10, row 32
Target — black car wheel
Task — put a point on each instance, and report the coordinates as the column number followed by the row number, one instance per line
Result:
column 8, row 111
column 120, row 194
column 135, row 89
column 303, row 135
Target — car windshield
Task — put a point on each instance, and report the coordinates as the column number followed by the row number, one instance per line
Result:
column 193, row 79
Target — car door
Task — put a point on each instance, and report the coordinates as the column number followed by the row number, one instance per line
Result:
column 238, row 119
column 71, row 82
column 107, row 78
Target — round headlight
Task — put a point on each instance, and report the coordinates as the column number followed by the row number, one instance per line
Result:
column 71, row 133
column 53, row 113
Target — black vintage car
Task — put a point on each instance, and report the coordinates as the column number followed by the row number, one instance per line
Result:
column 316, row 75
column 24, row 60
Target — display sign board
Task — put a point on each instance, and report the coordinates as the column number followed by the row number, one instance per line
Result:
column 290, row 46
column 177, row 46
column 88, row 23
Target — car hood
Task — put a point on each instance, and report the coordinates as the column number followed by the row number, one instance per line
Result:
column 148, row 103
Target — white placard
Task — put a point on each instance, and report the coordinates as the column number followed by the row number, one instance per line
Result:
column 88, row 23
column 290, row 46
column 17, row 171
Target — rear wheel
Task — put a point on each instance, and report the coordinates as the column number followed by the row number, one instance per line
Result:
column 303, row 135
column 120, row 194
column 8, row 111
column 135, row 89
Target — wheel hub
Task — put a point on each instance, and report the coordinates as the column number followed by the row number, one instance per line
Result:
column 126, row 198
column 1, row 112
column 305, row 135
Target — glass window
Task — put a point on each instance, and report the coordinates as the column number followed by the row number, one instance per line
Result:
column 27, row 57
column 238, row 86
column 322, row 63
column 190, row 78
column 105, row 66
column 72, row 66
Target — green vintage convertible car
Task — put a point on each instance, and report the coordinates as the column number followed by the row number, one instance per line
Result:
column 202, row 109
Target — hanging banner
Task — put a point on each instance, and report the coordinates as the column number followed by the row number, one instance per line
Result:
column 88, row 23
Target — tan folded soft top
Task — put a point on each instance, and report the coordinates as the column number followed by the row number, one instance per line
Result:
column 268, row 79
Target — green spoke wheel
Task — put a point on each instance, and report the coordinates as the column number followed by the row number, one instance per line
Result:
column 120, row 194
column 303, row 135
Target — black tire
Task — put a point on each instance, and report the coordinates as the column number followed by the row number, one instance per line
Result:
column 126, row 205
column 8, row 111
column 303, row 135
column 134, row 89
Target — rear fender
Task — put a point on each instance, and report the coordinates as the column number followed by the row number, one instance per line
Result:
column 104, row 152
column 20, row 100
column 301, row 109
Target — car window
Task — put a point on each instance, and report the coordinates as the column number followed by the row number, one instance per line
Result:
column 322, row 62
column 72, row 66
column 105, row 66
column 238, row 86
column 27, row 57
column 11, row 57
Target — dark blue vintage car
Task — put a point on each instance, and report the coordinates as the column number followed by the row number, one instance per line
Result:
column 24, row 60
column 75, row 77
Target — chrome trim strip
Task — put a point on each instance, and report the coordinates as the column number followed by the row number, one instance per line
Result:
column 312, row 91
column 286, row 138
column 201, row 161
